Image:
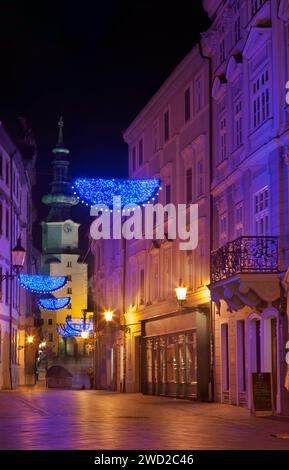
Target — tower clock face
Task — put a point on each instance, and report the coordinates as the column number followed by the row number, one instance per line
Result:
column 67, row 228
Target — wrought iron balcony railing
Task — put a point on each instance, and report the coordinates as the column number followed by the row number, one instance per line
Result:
column 245, row 255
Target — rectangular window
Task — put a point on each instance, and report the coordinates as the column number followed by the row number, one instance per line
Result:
column 69, row 290
column 7, row 223
column 50, row 321
column 69, row 277
column 223, row 228
column 239, row 220
column 200, row 178
column 198, row 94
column 256, row 5
column 155, row 137
column 237, row 22
column 189, row 185
column 50, row 337
column 69, row 264
column 7, row 173
column 142, row 287
column 168, row 194
column 140, row 152
column 187, row 104
column 261, row 202
column 222, row 53
column 133, row 159
column 238, row 123
column 166, row 126
column 223, row 139
column 260, row 99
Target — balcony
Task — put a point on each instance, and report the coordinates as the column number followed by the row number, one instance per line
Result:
column 244, row 255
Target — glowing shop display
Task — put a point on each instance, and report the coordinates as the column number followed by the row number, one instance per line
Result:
column 98, row 191
column 53, row 303
column 42, row 284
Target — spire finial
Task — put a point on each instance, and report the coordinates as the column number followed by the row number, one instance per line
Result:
column 60, row 133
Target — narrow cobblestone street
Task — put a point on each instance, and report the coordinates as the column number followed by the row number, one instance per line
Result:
column 64, row 419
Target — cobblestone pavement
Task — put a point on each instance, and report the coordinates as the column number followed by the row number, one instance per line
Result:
column 88, row 419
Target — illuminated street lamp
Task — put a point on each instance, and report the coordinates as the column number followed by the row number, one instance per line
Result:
column 30, row 339
column 84, row 334
column 18, row 256
column 181, row 293
column 108, row 314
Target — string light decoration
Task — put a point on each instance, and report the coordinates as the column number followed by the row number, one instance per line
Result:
column 42, row 284
column 62, row 332
column 99, row 191
column 79, row 324
column 53, row 303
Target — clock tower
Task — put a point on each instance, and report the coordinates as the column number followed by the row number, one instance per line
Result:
column 60, row 252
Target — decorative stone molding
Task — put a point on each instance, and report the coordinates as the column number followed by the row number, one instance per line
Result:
column 234, row 67
column 257, row 38
column 252, row 290
column 210, row 41
column 219, row 86
column 283, row 11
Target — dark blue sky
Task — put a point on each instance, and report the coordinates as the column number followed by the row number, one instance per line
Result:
column 97, row 66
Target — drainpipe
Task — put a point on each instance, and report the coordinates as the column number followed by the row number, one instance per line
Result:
column 212, row 306
column 11, row 279
column 123, row 311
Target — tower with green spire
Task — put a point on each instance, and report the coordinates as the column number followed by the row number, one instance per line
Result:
column 60, row 252
column 60, row 199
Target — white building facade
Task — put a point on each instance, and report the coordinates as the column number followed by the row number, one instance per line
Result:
column 17, row 176
column 248, row 45
column 160, row 348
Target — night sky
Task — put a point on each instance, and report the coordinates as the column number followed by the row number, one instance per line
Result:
column 97, row 66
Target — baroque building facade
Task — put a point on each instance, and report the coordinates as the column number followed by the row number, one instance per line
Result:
column 248, row 46
column 157, row 347
column 17, row 214
column 225, row 149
